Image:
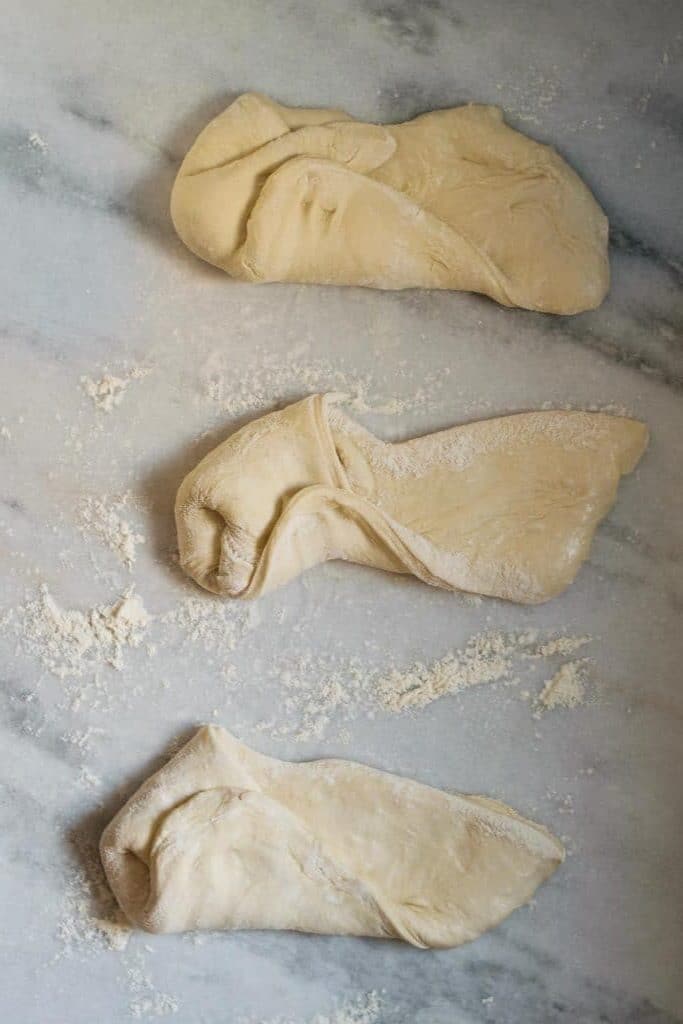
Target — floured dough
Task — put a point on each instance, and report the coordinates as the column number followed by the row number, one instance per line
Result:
column 453, row 199
column 505, row 507
column 223, row 837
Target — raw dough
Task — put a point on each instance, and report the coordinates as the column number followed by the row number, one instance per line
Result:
column 223, row 837
column 505, row 507
column 453, row 199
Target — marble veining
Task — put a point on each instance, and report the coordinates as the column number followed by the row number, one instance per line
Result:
column 101, row 102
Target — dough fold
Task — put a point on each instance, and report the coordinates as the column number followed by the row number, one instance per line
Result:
column 452, row 199
column 505, row 507
column 225, row 838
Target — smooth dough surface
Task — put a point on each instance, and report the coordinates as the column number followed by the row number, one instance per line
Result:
column 505, row 507
column 224, row 838
column 452, row 199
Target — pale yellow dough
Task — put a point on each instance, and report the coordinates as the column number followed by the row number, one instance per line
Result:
column 225, row 838
column 505, row 507
column 453, row 199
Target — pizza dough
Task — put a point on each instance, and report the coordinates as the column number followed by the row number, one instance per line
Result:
column 453, row 199
column 505, row 507
column 224, row 838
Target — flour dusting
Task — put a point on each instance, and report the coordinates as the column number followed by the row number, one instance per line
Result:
column 107, row 391
column 490, row 657
column 36, row 141
column 91, row 920
column 68, row 641
column 269, row 379
column 363, row 1009
column 217, row 625
column 319, row 693
column 146, row 1000
column 102, row 517
column 566, row 689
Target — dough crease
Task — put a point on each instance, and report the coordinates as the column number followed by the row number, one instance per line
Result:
column 452, row 199
column 504, row 507
column 225, row 838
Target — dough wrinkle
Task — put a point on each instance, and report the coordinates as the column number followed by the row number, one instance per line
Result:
column 452, row 199
column 329, row 847
column 505, row 507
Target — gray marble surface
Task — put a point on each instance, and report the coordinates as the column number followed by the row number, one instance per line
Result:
column 100, row 102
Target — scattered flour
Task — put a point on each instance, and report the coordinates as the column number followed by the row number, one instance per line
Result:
column 91, row 923
column 566, row 689
column 363, row 1009
column 147, row 1001
column 270, row 379
column 215, row 624
column 102, row 517
column 315, row 691
column 69, row 642
column 107, row 391
column 319, row 693
column 91, row 920
column 486, row 658
column 36, row 141
column 491, row 657
column 561, row 645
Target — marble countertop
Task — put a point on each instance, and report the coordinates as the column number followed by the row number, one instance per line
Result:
column 101, row 101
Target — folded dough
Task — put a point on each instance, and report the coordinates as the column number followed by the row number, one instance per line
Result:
column 223, row 838
column 453, row 199
column 505, row 507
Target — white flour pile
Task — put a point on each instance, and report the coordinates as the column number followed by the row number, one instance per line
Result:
column 69, row 642
column 108, row 390
column 102, row 517
column 566, row 689
column 492, row 657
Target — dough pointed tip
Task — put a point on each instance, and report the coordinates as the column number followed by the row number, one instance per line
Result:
column 636, row 444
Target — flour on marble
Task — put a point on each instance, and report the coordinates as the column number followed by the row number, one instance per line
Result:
column 270, row 379
column 107, row 391
column 318, row 693
column 363, row 1009
column 489, row 657
column 91, row 923
column 102, row 517
column 216, row 625
column 36, row 141
column 566, row 688
column 90, row 920
column 146, row 1000
column 69, row 642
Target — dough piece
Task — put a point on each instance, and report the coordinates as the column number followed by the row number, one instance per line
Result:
column 453, row 199
column 505, row 507
column 223, row 837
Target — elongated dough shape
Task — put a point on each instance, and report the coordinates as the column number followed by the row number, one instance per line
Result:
column 224, row 838
column 452, row 199
column 505, row 507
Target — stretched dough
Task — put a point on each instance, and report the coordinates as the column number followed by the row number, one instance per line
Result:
column 453, row 199
column 505, row 507
column 223, row 838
